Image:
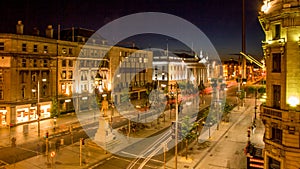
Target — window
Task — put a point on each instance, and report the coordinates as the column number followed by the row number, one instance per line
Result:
column 45, row 63
column 276, row 135
column 44, row 89
column 276, row 96
column 1, row 76
column 24, row 47
column 70, row 63
column 63, row 63
column 70, row 74
column 45, row 49
column 1, row 46
column 23, row 62
column 33, row 77
column 1, row 94
column 34, row 63
column 64, row 51
column 276, row 62
column 273, row 164
column 35, row 48
column 70, row 51
column 23, row 92
column 23, row 77
column 63, row 74
column 277, row 32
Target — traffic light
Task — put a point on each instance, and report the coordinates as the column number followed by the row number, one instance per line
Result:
column 179, row 109
column 47, row 135
column 82, row 141
column 173, row 127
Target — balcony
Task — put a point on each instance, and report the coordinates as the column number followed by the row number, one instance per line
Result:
column 288, row 116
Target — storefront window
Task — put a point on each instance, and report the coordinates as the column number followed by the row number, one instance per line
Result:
column 45, row 111
column 22, row 115
column 3, row 117
column 32, row 113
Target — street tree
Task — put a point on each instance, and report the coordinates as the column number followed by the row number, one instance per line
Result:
column 54, row 108
column 187, row 132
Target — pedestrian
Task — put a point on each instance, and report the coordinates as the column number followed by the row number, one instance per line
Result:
column 57, row 145
column 13, row 142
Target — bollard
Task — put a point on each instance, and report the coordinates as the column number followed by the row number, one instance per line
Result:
column 62, row 141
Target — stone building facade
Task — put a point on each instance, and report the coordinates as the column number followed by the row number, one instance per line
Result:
column 280, row 21
column 35, row 70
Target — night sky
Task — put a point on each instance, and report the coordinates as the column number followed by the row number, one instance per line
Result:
column 220, row 20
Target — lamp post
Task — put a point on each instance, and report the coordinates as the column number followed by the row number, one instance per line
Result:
column 98, row 86
column 176, row 126
column 38, row 111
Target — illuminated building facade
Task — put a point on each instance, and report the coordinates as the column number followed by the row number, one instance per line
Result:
column 280, row 21
column 62, row 69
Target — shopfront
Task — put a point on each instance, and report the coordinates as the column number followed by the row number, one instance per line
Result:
column 3, row 114
column 25, row 113
column 66, row 106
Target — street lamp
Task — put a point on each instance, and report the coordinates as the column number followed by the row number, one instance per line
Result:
column 98, row 86
column 38, row 104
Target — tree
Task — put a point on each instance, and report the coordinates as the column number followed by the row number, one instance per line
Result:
column 187, row 132
column 54, row 108
column 262, row 90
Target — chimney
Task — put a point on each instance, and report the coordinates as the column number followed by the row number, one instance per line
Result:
column 49, row 31
column 20, row 27
column 36, row 31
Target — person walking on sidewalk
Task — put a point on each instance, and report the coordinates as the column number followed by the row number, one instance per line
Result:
column 57, row 145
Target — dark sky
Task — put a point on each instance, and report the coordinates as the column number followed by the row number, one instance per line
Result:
column 220, row 20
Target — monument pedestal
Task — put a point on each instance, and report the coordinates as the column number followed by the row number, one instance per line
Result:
column 104, row 133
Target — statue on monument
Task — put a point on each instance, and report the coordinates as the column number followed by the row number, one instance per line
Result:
column 104, row 107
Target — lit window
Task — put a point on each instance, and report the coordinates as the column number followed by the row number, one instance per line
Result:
column 63, row 74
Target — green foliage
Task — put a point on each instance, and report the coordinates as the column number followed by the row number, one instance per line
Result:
column 54, row 108
column 251, row 90
column 242, row 94
column 186, row 129
column 261, row 90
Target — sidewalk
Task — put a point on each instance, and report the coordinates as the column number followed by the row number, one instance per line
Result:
column 68, row 156
column 63, row 123
column 198, row 151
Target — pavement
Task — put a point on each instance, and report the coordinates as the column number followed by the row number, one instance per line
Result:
column 68, row 156
column 92, row 154
column 205, row 154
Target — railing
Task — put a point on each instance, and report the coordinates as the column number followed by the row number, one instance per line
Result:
column 272, row 112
